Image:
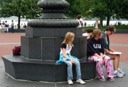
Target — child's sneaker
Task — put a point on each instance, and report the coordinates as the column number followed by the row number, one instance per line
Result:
column 119, row 75
column 111, row 79
column 102, row 79
column 120, row 71
column 80, row 81
column 70, row 82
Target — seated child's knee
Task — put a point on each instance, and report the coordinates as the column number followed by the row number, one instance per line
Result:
column 77, row 63
column 69, row 64
column 107, row 57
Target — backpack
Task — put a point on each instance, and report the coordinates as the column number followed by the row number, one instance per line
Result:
column 16, row 50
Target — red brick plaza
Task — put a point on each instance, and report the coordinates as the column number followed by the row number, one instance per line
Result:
column 119, row 42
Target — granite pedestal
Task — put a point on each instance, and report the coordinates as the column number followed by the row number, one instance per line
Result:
column 40, row 46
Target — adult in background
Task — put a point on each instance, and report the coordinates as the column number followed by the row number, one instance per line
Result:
column 80, row 20
column 6, row 27
column 112, row 53
column 12, row 26
column 0, row 26
column 96, row 25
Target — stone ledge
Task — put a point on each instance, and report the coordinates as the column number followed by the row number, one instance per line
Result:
column 20, row 68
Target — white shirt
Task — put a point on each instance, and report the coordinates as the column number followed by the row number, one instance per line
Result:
column 80, row 25
column 68, row 49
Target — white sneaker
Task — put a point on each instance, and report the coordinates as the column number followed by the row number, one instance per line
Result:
column 70, row 82
column 119, row 75
column 120, row 71
column 80, row 81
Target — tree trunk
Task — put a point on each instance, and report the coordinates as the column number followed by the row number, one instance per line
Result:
column 19, row 22
column 108, row 20
column 101, row 21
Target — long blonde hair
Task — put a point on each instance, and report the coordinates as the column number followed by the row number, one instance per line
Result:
column 96, row 32
column 68, row 37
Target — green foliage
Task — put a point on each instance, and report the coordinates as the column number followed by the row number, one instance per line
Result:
column 24, row 8
column 109, row 8
column 124, row 9
column 101, row 9
column 79, row 7
column 73, row 9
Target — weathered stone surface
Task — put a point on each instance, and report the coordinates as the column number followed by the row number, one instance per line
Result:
column 21, row 68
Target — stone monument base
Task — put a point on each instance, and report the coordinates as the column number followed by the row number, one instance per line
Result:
column 21, row 68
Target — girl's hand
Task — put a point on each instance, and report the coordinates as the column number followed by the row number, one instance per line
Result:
column 101, row 58
column 107, row 51
column 72, row 60
column 97, row 55
column 112, row 50
column 64, row 53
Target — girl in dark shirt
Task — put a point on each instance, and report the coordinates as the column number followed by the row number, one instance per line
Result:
column 95, row 52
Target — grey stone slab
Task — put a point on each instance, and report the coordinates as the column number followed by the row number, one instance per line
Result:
column 6, row 81
column 21, row 68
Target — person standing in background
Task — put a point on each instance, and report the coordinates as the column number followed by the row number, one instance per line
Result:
column 96, row 25
column 0, row 26
column 12, row 26
column 6, row 27
column 80, row 20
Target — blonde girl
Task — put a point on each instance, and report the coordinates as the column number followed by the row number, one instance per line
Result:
column 67, row 58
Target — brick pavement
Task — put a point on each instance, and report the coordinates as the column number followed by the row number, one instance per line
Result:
column 8, row 41
column 119, row 42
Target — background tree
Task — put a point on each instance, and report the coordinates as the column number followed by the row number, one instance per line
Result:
column 102, row 9
column 19, row 8
column 73, row 9
column 109, row 8
column 122, row 9
column 79, row 7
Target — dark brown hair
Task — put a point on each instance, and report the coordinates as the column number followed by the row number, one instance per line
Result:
column 89, row 30
column 78, row 16
column 110, row 28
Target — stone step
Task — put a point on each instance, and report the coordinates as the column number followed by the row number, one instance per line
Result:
column 21, row 68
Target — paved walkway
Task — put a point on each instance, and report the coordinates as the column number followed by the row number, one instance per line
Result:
column 8, row 41
column 119, row 42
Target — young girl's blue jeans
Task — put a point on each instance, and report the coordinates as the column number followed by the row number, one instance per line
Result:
column 69, row 68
